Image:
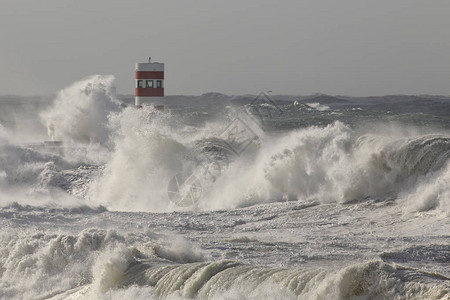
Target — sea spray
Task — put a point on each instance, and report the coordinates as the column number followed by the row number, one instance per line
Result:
column 109, row 270
column 80, row 112
column 365, row 220
column 144, row 160
column 329, row 164
column 37, row 264
column 432, row 192
column 325, row 164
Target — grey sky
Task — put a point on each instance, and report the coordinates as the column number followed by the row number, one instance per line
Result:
column 347, row 47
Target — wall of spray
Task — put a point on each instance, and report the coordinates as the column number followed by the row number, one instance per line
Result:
column 142, row 150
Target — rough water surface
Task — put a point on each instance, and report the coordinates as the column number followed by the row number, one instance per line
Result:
column 224, row 197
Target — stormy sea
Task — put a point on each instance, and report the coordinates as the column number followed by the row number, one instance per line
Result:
column 224, row 196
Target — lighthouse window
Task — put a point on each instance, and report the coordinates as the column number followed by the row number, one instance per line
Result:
column 149, row 83
column 159, row 83
column 140, row 84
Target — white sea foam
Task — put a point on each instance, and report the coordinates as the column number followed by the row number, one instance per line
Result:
column 144, row 150
column 99, row 264
column 231, row 280
column 325, row 245
column 318, row 106
column 38, row 264
column 432, row 192
column 144, row 160
column 326, row 164
column 80, row 112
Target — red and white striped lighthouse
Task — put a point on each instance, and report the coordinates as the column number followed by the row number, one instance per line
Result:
column 150, row 84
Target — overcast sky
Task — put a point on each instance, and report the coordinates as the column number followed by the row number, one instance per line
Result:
column 338, row 47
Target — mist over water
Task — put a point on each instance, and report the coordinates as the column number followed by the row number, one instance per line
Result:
column 324, row 198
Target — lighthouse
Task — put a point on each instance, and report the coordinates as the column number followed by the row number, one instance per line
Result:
column 149, row 84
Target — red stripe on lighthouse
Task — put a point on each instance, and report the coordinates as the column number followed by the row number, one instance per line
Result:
column 149, row 74
column 150, row 92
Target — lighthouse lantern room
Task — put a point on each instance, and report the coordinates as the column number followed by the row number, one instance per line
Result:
column 149, row 84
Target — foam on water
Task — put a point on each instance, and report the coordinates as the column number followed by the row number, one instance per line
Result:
column 98, row 264
column 144, row 159
column 432, row 192
column 144, row 150
column 347, row 185
column 318, row 106
column 38, row 265
column 80, row 112
column 117, row 275
column 32, row 173
column 326, row 164
column 231, row 280
column 55, row 263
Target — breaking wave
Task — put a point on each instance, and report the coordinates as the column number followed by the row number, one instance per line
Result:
column 99, row 264
column 42, row 265
column 326, row 164
column 42, row 173
column 143, row 151
column 233, row 280
column 80, row 112
column 106, row 157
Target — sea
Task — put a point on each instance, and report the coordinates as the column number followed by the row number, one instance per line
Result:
column 257, row 196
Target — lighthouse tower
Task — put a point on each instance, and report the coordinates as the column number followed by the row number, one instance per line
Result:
column 150, row 84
